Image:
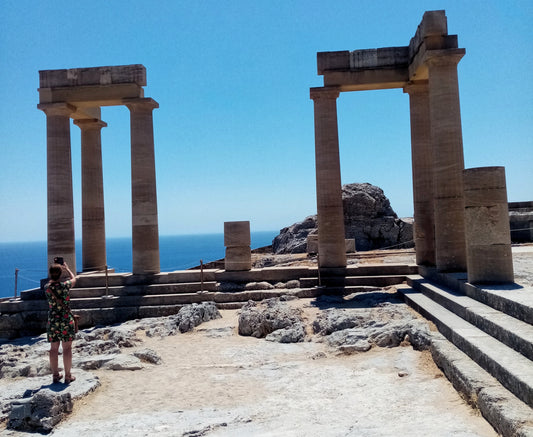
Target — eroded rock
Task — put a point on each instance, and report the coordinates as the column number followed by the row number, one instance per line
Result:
column 368, row 218
column 264, row 318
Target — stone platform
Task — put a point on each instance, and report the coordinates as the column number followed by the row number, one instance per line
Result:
column 128, row 296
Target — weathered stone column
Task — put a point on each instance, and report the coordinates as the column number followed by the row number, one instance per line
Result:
column 447, row 145
column 237, row 241
column 145, row 231
column 488, row 234
column 331, row 246
column 422, row 163
column 61, row 241
column 92, row 186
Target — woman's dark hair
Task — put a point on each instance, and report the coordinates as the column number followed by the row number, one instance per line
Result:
column 55, row 271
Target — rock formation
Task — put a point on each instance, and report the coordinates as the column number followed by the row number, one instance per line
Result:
column 368, row 218
column 272, row 319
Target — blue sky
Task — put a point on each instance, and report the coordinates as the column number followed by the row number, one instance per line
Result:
column 234, row 132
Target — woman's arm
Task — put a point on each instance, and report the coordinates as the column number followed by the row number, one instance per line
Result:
column 72, row 276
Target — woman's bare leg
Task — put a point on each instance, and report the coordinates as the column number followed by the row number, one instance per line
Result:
column 54, row 353
column 67, row 358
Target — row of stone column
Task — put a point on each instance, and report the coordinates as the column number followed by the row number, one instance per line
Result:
column 437, row 162
column 61, row 239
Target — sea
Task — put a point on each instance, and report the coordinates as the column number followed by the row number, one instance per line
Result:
column 178, row 252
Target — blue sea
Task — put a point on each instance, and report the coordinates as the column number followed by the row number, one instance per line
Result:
column 178, row 252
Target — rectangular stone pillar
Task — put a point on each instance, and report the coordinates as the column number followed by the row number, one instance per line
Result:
column 237, row 242
column 488, row 233
column 447, row 142
column 145, row 230
column 422, row 167
column 92, row 186
column 61, row 240
column 331, row 246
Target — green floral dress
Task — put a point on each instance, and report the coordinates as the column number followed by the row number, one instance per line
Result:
column 60, row 326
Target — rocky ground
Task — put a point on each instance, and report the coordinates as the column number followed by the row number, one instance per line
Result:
column 331, row 366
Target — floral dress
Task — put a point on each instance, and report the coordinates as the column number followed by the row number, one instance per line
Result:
column 60, row 326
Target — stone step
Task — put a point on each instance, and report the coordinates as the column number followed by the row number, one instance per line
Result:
column 369, row 281
column 507, row 329
column 512, row 299
column 513, row 370
column 134, row 290
column 371, row 270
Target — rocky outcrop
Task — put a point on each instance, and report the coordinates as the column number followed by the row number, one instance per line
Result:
column 368, row 218
column 273, row 319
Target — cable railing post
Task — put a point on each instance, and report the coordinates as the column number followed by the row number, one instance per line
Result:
column 16, row 280
column 106, row 282
column 201, row 275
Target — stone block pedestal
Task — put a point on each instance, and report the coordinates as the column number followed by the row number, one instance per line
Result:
column 237, row 241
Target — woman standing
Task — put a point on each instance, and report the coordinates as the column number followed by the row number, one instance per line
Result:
column 60, row 327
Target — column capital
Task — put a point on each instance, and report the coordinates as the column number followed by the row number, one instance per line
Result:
column 443, row 57
column 416, row 87
column 61, row 108
column 324, row 93
column 140, row 104
column 90, row 123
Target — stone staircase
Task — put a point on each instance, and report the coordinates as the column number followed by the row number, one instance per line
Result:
column 104, row 300
column 353, row 279
column 493, row 327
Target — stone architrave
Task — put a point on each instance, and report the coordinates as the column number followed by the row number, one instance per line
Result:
column 448, row 161
column 330, row 215
column 237, row 242
column 61, row 240
column 145, row 233
column 422, row 167
column 488, row 234
column 92, row 182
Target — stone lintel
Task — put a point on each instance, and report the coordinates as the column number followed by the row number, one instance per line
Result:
column 90, row 96
column 108, row 75
column 387, row 57
column 368, row 79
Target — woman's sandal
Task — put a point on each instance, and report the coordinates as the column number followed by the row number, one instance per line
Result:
column 56, row 378
column 69, row 379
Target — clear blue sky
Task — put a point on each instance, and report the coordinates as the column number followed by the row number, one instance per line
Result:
column 234, row 132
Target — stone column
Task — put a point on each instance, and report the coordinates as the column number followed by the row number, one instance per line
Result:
column 447, row 142
column 422, row 167
column 488, row 234
column 331, row 246
column 237, row 241
column 145, row 232
column 92, row 186
column 61, row 241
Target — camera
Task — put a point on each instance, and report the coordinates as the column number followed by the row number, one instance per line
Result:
column 59, row 260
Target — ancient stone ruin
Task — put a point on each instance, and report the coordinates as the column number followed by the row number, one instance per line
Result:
column 426, row 69
column 79, row 93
